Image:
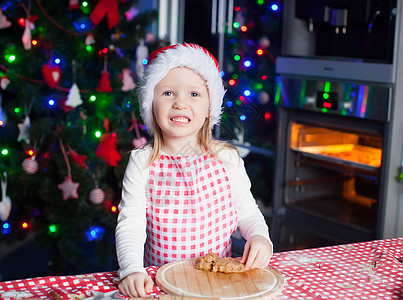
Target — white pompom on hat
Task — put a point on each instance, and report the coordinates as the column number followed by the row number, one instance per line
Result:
column 191, row 56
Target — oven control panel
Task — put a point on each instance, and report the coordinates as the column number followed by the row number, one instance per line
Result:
column 360, row 100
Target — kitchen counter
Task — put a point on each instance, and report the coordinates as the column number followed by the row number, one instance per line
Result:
column 368, row 270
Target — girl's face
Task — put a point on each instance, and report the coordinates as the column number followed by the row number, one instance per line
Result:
column 181, row 104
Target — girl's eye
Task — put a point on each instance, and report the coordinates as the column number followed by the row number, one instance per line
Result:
column 194, row 94
column 167, row 93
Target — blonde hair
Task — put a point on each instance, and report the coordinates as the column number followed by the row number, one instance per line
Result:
column 204, row 139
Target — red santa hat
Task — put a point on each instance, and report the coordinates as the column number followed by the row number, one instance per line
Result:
column 191, row 56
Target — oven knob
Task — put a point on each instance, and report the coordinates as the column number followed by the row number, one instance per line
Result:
column 310, row 101
column 347, row 105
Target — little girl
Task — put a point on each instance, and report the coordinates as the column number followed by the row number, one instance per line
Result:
column 185, row 193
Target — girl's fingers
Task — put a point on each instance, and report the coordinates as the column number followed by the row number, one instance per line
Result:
column 149, row 285
column 245, row 253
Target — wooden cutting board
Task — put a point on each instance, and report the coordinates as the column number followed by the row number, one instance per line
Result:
column 183, row 279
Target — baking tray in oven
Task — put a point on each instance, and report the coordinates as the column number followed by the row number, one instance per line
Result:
column 358, row 156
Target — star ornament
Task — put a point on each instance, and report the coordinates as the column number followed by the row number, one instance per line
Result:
column 69, row 188
column 24, row 130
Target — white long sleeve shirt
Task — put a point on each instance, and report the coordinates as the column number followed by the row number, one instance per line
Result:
column 131, row 230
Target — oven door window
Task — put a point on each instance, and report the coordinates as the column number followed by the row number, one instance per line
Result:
column 333, row 174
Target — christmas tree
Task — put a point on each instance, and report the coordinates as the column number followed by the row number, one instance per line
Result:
column 250, row 53
column 68, row 119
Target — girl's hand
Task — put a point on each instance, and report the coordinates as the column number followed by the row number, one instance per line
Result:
column 136, row 284
column 257, row 252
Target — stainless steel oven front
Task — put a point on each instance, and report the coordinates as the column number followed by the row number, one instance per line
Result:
column 330, row 156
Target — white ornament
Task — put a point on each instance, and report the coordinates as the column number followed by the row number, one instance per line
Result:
column 26, row 36
column 5, row 203
column 4, row 23
column 30, row 165
column 141, row 54
column 97, row 196
column 74, row 97
column 127, row 80
column 264, row 98
column 4, row 82
column 242, row 147
column 24, row 130
column 89, row 40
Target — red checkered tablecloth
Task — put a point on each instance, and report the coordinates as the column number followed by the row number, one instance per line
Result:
column 369, row 270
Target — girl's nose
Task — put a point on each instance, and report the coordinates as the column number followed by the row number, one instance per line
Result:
column 179, row 103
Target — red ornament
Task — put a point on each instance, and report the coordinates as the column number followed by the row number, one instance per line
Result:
column 104, row 83
column 64, row 107
column 51, row 75
column 78, row 158
column 107, row 149
column 109, row 8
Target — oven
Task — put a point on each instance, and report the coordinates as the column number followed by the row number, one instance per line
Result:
column 331, row 156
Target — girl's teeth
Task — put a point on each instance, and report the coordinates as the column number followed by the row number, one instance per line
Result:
column 180, row 119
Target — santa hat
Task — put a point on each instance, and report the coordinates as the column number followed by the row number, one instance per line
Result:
column 191, row 56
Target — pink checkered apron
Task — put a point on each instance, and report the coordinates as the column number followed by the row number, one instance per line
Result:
column 189, row 209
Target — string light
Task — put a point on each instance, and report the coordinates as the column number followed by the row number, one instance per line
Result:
column 4, row 152
column 247, row 93
column 264, row 77
column 247, row 63
column 237, row 8
column 114, row 209
column 98, row 134
column 1, row 123
column 93, row 98
column 10, row 58
column 6, row 228
column 21, row 21
column 17, row 110
column 51, row 102
column 34, row 42
column 25, row 225
column 88, row 48
column 229, row 103
column 231, row 82
column 95, row 233
column 244, row 28
column 274, row 7
column 52, row 228
column 57, row 61
column 259, row 51
column 267, row 115
column 84, row 4
column 236, row 25
column 30, row 152
column 237, row 57
column 242, row 118
column 145, row 61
